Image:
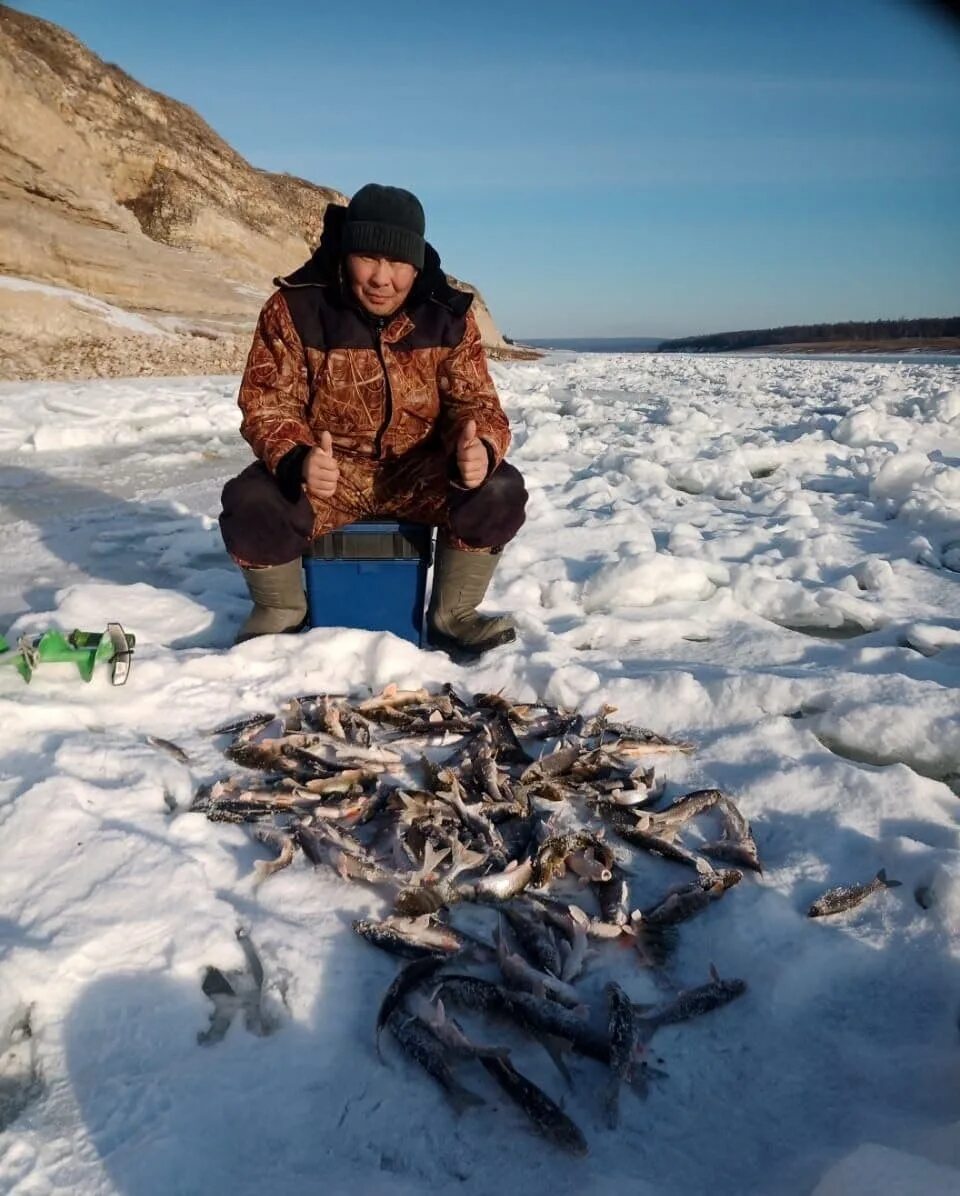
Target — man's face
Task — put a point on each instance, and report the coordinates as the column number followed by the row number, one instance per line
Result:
column 379, row 284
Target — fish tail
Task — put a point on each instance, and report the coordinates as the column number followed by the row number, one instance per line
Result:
column 654, row 942
column 889, row 884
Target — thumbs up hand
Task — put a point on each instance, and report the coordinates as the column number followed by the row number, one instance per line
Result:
column 472, row 459
column 320, row 470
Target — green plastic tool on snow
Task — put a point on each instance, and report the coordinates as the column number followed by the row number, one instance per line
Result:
column 85, row 649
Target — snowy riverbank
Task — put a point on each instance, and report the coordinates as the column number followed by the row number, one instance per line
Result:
column 759, row 555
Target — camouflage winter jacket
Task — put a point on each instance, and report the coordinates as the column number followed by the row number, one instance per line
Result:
column 381, row 387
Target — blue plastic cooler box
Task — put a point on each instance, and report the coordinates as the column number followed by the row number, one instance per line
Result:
column 371, row 575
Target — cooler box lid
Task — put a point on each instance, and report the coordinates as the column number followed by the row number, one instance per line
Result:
column 375, row 540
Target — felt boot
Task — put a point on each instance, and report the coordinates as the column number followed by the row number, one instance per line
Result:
column 279, row 604
column 460, row 581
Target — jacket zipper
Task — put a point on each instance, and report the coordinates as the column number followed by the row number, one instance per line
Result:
column 378, row 443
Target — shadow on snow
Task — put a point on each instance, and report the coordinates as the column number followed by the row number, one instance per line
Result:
column 124, row 541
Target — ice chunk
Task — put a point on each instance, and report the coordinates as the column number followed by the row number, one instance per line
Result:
column 931, row 638
column 685, row 539
column 650, row 579
column 898, row 475
column 873, row 574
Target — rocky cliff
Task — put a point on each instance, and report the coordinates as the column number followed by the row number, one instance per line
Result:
column 134, row 239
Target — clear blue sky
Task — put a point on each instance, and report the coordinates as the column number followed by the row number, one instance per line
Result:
column 618, row 168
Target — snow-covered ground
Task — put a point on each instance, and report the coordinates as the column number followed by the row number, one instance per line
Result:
column 759, row 555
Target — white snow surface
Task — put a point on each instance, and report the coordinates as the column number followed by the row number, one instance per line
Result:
column 759, row 555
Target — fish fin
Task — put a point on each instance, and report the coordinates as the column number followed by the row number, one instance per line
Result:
column 463, row 859
column 471, row 859
column 554, row 1047
column 580, row 916
column 432, row 856
column 714, row 974
column 463, row 1099
column 889, row 884
column 639, row 1085
column 611, row 1103
column 654, row 944
column 566, row 950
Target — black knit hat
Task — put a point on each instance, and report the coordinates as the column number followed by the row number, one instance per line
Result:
column 386, row 221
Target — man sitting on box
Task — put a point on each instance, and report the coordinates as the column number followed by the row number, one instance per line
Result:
column 367, row 394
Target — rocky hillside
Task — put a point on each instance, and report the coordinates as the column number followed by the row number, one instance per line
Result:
column 135, row 240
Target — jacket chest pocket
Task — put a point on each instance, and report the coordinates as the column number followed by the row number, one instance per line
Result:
column 423, row 402
column 349, row 392
column 415, row 384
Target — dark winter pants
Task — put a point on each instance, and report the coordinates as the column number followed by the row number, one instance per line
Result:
column 261, row 527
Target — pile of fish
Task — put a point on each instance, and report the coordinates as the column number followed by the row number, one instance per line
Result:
column 506, row 838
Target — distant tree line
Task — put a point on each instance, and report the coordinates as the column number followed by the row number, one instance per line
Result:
column 851, row 330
